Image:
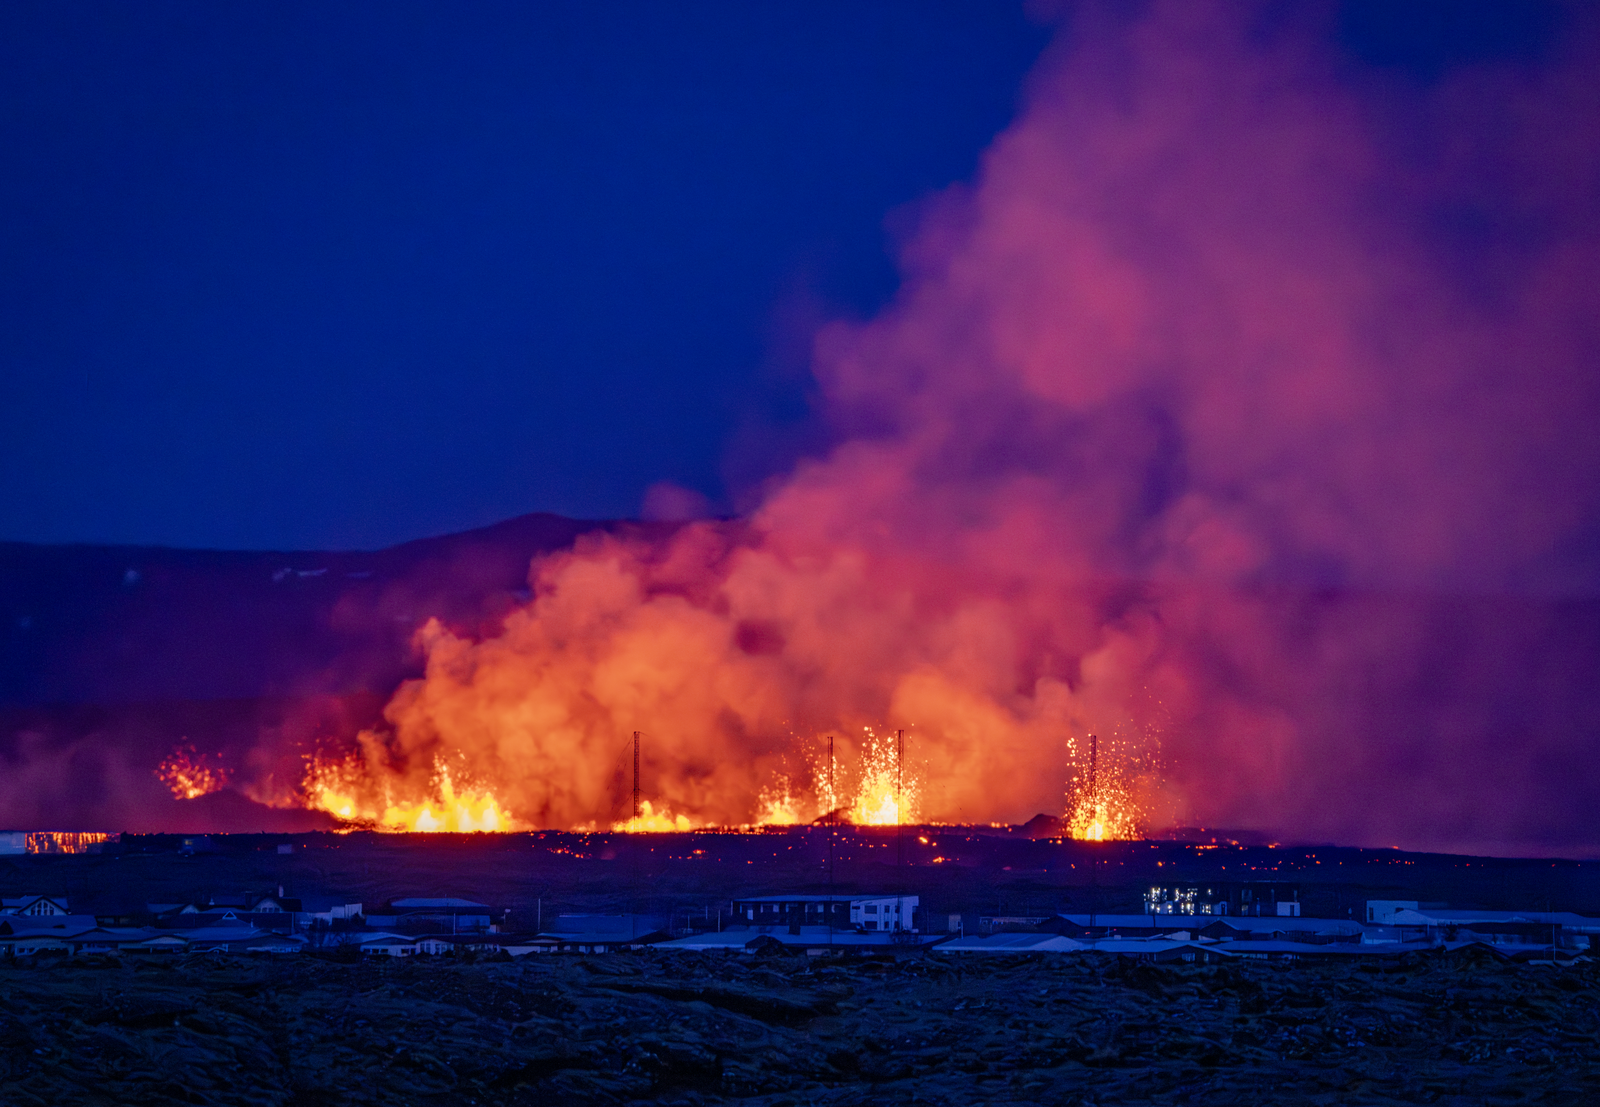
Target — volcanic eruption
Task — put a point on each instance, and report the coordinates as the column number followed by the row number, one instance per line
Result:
column 1190, row 427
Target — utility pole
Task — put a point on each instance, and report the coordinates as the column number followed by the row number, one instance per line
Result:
column 899, row 797
column 833, row 827
column 833, row 815
column 1094, row 811
column 636, row 811
column 1094, row 783
column 833, row 796
column 633, row 848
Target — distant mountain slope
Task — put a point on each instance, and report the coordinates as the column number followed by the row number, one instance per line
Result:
column 84, row 624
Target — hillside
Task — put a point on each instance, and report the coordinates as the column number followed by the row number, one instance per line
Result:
column 85, row 624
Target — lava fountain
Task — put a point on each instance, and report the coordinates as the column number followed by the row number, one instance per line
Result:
column 1100, row 801
column 1189, row 368
column 343, row 790
column 190, row 774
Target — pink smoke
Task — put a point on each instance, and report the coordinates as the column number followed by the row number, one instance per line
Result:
column 1196, row 423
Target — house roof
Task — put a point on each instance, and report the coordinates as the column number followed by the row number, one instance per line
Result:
column 163, row 939
column 1138, row 922
column 1015, row 942
column 1337, row 949
column 326, row 903
column 19, row 903
column 728, row 940
column 809, row 937
column 35, row 924
column 1568, row 920
column 277, row 940
column 224, row 933
column 820, row 898
column 1273, row 924
column 616, row 927
column 1143, row 946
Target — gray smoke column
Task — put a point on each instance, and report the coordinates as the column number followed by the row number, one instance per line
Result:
column 1242, row 406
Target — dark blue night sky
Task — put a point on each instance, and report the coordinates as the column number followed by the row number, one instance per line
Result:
column 312, row 275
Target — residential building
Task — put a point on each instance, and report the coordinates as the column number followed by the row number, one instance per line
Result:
column 34, row 905
column 1381, row 911
column 1543, row 929
column 441, row 914
column 871, row 912
column 1253, row 897
column 601, row 933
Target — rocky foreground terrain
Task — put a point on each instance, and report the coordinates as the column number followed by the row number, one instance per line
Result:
column 688, row 1029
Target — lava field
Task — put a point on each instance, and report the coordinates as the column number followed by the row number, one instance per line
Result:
column 689, row 1029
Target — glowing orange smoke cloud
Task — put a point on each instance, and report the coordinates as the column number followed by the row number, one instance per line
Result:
column 1181, row 348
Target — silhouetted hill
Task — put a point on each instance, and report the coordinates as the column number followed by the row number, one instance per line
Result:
column 83, row 624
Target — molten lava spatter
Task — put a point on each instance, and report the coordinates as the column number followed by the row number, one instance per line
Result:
column 189, row 775
column 1100, row 803
column 336, row 787
column 779, row 805
column 651, row 821
column 887, row 792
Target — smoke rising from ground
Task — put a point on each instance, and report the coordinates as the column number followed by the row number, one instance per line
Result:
column 1240, row 408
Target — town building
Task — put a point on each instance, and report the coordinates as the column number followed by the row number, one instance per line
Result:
column 440, row 914
column 816, row 941
column 34, row 905
column 1381, row 911
column 871, row 913
column 1252, row 897
column 601, row 933
column 1540, row 929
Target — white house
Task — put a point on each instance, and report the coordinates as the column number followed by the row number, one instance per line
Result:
column 327, row 908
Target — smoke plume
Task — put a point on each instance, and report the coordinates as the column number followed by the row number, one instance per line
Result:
column 1239, row 411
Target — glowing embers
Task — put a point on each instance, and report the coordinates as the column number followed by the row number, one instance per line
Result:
column 1100, row 802
column 339, row 787
column 651, row 821
column 779, row 806
column 190, row 775
column 887, row 792
column 67, row 841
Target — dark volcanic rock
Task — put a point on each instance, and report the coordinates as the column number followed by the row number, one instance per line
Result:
column 656, row 1028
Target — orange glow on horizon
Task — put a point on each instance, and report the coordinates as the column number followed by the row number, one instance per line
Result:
column 651, row 821
column 334, row 787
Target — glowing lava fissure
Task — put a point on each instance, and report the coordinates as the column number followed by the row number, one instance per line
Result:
column 339, row 788
column 883, row 789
